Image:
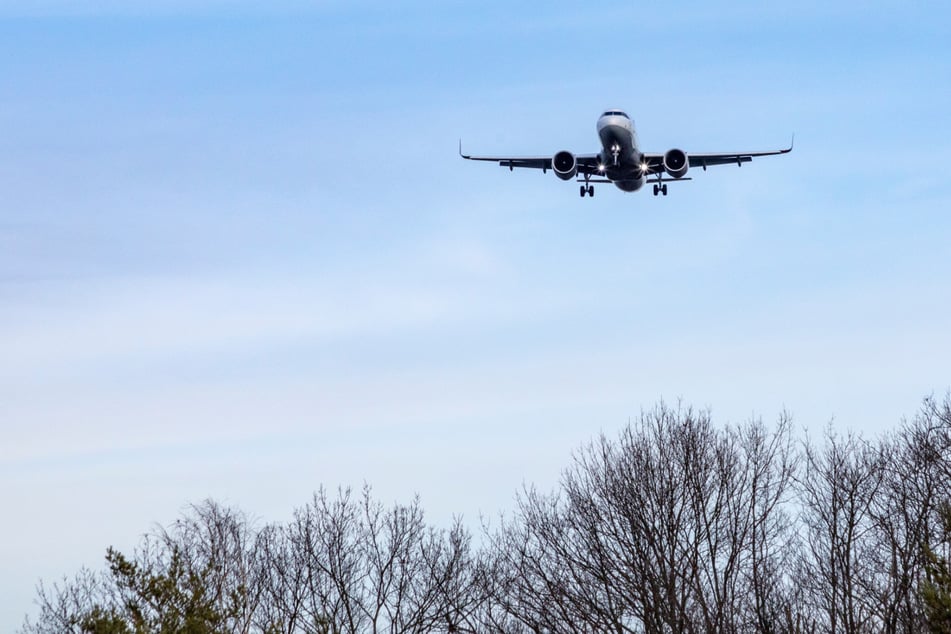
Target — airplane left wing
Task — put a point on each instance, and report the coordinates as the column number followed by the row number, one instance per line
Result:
column 705, row 160
column 656, row 161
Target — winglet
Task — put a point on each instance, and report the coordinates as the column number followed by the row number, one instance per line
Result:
column 460, row 150
column 792, row 142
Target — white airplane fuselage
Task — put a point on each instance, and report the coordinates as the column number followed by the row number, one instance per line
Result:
column 619, row 154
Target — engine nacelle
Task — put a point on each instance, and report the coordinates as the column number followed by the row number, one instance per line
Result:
column 564, row 165
column 676, row 163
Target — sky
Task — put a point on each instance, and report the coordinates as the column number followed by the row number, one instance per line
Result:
column 240, row 257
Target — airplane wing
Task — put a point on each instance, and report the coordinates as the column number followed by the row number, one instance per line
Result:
column 704, row 160
column 587, row 163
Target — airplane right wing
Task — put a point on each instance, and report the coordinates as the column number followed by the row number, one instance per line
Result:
column 587, row 163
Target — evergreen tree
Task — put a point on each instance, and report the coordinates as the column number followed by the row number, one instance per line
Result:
column 936, row 591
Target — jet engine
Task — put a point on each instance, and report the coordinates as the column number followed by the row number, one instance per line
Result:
column 565, row 165
column 676, row 163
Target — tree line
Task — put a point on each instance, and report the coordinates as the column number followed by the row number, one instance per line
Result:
column 674, row 525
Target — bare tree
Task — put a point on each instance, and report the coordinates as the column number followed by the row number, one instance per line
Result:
column 902, row 514
column 675, row 527
column 771, row 463
column 349, row 565
column 837, row 490
column 283, row 606
column 65, row 606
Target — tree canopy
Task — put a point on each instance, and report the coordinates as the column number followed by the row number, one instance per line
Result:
column 675, row 525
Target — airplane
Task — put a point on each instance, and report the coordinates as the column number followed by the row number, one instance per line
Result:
column 621, row 162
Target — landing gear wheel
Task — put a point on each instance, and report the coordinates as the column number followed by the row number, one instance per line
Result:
column 591, row 190
column 583, row 191
column 663, row 189
column 656, row 190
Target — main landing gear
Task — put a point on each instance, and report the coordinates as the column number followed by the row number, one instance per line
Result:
column 587, row 189
column 660, row 189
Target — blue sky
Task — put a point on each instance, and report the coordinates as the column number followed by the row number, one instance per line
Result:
column 240, row 258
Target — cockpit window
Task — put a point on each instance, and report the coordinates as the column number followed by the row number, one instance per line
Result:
column 612, row 113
